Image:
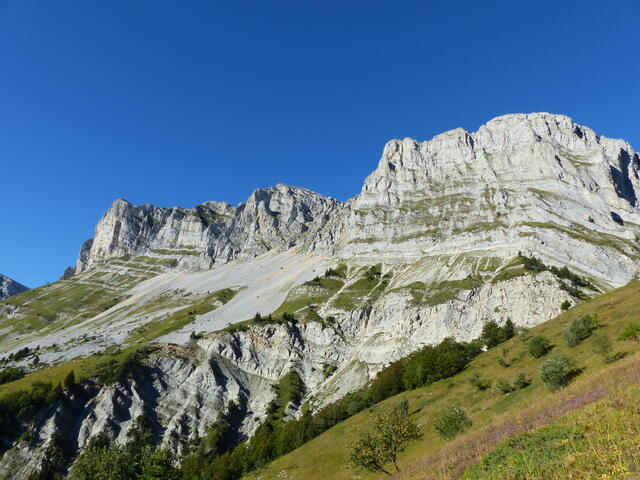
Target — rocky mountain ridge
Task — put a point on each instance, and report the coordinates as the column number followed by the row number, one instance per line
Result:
column 522, row 182
column 438, row 242
column 211, row 233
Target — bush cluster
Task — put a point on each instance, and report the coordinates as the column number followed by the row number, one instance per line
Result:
column 20, row 406
column 479, row 381
column 519, row 382
column 137, row 460
column 10, row 374
column 534, row 264
column 493, row 335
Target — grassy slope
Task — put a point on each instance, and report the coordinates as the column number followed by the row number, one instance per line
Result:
column 140, row 338
column 53, row 307
column 495, row 416
column 83, row 368
column 598, row 441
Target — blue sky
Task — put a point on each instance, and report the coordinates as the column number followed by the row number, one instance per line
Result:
column 176, row 103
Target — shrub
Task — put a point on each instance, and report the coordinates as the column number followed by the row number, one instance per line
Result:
column 557, row 371
column 601, row 344
column 328, row 369
column 573, row 291
column 566, row 305
column 579, row 329
column 521, row 381
column 479, row 382
column 504, row 361
column 539, row 346
column 452, row 422
column 631, row 332
column 374, row 272
column 504, row 387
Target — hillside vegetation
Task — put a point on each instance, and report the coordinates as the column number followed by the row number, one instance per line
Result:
column 588, row 430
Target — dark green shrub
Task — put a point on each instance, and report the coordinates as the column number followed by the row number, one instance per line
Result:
column 504, row 387
column 374, row 272
column 433, row 363
column 20, row 354
column 532, row 264
column 631, row 332
column 539, row 346
column 566, row 305
column 328, row 369
column 508, row 330
column 10, row 374
column 452, row 422
column 573, row 290
column 289, row 318
column 521, row 381
column 493, row 335
column 479, row 382
column 557, row 371
column 579, row 329
column 601, row 344
column 504, row 360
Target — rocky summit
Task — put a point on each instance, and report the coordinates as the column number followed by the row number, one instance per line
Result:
column 530, row 214
column 10, row 287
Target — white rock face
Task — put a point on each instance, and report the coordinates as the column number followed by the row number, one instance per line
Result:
column 10, row 287
column 535, row 183
column 211, row 233
column 444, row 219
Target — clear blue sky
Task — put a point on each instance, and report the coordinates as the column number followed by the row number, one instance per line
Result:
column 179, row 102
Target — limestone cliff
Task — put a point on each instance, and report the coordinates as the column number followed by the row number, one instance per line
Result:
column 211, row 233
column 435, row 245
column 536, row 183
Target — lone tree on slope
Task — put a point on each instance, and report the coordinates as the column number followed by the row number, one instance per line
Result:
column 389, row 434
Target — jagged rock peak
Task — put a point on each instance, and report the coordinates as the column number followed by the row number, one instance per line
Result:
column 516, row 144
column 212, row 232
column 10, row 287
column 513, row 130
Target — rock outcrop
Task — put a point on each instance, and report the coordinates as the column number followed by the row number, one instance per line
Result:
column 9, row 287
column 536, row 183
column 211, row 233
